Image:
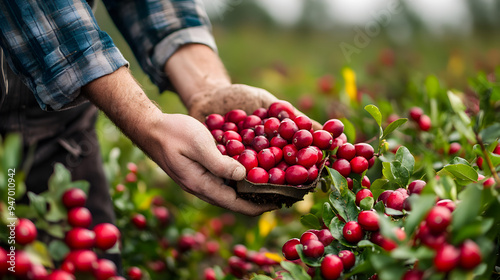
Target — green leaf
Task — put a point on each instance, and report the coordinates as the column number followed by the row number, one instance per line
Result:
column 349, row 129
column 462, row 173
column 375, row 112
column 420, row 206
column 392, row 127
column 468, row 208
column 310, row 221
column 491, row 133
column 296, row 271
column 342, row 199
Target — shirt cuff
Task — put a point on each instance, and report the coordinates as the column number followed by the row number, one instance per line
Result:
column 169, row 45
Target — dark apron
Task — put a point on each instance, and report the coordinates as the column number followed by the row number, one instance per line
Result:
column 66, row 137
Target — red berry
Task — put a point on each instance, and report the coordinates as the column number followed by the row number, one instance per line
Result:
column 260, row 142
column 289, row 251
column 416, row 186
column 313, row 248
column 271, row 126
column 322, row 139
column 287, row 129
column 470, row 255
column 342, row 166
column 266, row 159
column 424, row 123
column 359, row 164
column 79, row 217
column 346, row 151
column 296, row 175
column 447, row 258
column 334, row 126
column 80, row 238
column 134, row 273
column 303, row 122
column 74, row 197
column 331, row 267
column 106, row 235
column 307, row 157
column 348, row 259
column 302, row 138
column 214, row 121
column 352, row 232
column 103, row 269
column 416, row 113
column 258, row 175
column 438, row 219
column 368, row 220
column 139, row 221
column 362, row 194
column 248, row 160
column 364, row 150
column 25, row 231
column 276, row 176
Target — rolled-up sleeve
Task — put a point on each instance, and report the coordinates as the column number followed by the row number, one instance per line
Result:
column 155, row 29
column 56, row 47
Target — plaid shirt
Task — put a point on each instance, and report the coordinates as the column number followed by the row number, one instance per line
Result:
column 57, row 47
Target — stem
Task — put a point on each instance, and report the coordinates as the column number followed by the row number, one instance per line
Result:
column 488, row 161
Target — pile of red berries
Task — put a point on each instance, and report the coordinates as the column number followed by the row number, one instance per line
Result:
column 81, row 259
column 275, row 145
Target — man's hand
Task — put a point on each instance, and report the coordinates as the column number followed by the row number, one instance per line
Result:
column 231, row 97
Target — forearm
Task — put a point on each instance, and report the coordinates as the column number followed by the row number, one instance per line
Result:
column 195, row 68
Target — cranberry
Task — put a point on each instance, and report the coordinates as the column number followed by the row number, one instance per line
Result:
column 348, row 259
column 260, row 142
column 313, row 248
column 368, row 220
column 79, row 217
column 334, row 126
column 106, row 235
column 278, row 141
column 424, row 123
column 290, row 154
column 416, row 186
column 359, row 164
column 331, row 267
column 139, row 221
column 80, row 238
column 134, row 273
column 364, row 150
column 74, row 197
column 287, row 129
column 289, row 251
column 438, row 219
column 416, row 113
column 302, row 138
column 247, row 136
column 230, row 135
column 346, row 151
column 103, row 269
column 470, row 255
column 276, row 176
column 266, row 159
column 258, row 175
column 271, row 126
column 303, row 122
column 25, row 231
column 322, row 139
column 352, row 232
column 342, row 166
column 447, row 258
column 277, row 108
column 248, row 160
column 307, row 157
column 296, row 175
column 362, row 194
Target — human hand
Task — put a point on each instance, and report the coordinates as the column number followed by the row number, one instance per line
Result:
column 188, row 154
column 235, row 96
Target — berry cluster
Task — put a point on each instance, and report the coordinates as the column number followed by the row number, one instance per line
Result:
column 275, row 145
column 81, row 241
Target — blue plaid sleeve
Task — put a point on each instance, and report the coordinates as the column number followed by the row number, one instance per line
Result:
column 155, row 29
column 56, row 47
